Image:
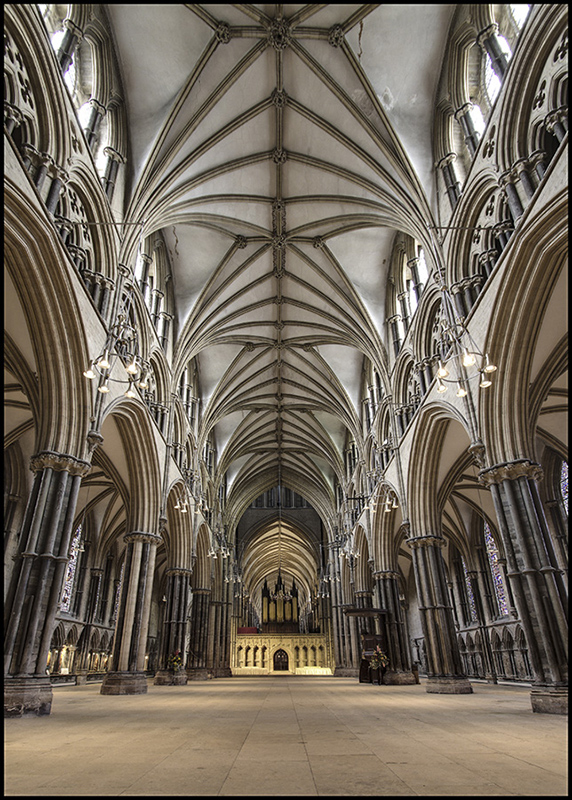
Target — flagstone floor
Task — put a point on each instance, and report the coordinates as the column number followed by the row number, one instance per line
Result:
column 287, row 735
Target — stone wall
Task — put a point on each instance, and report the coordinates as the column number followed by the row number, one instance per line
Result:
column 253, row 654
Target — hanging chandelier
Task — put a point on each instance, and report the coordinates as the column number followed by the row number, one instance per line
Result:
column 460, row 360
column 122, row 343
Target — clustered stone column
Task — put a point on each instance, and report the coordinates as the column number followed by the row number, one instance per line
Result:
column 220, row 644
column 37, row 582
column 452, row 185
column 72, row 37
column 489, row 41
column 364, row 599
column 98, row 111
column 200, row 613
column 174, row 626
column 399, row 670
column 82, row 656
column 127, row 674
column 345, row 637
column 114, row 159
column 444, row 668
column 464, row 118
column 535, row 578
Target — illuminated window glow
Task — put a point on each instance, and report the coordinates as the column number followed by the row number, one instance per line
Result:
column 519, row 12
column 492, row 80
column 118, row 594
column 67, row 593
column 472, row 606
column 564, row 484
column 496, row 571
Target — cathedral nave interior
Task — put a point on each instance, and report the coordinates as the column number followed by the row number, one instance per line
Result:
column 285, row 348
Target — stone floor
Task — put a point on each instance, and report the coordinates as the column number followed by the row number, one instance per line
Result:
column 287, row 735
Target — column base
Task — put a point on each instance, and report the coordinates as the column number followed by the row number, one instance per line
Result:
column 449, row 685
column 124, row 683
column 81, row 677
column 549, row 700
column 27, row 696
column 346, row 672
column 198, row 674
column 397, row 678
column 166, row 677
column 222, row 672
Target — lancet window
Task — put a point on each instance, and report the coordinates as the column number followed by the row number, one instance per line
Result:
column 496, row 570
column 118, row 594
column 69, row 582
column 564, row 485
column 472, row 609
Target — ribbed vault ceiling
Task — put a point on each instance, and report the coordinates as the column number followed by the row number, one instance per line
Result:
column 279, row 149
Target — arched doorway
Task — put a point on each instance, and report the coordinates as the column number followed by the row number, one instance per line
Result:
column 280, row 660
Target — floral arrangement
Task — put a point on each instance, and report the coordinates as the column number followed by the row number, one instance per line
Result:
column 378, row 659
column 175, row 661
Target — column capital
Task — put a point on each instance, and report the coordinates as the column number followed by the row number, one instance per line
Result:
column 73, row 28
column 554, row 117
column 12, row 112
column 142, row 536
column 464, row 109
column 59, row 462
column 490, row 30
column 426, row 540
column 385, row 574
column 448, row 159
column 31, row 152
column 178, row 571
column 511, row 470
column 114, row 155
column 99, row 107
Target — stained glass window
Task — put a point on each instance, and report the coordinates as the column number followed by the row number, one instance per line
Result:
column 496, row 571
column 118, row 594
column 71, row 570
column 470, row 595
column 564, row 484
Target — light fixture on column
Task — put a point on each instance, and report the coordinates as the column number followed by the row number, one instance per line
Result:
column 391, row 502
column 182, row 504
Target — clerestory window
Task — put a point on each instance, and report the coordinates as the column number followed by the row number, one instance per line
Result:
column 564, row 485
column 519, row 12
